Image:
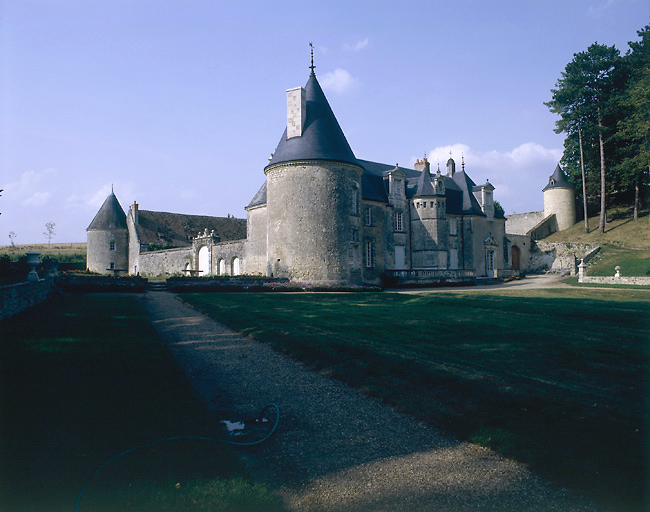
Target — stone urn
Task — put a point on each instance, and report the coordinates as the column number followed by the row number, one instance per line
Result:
column 32, row 261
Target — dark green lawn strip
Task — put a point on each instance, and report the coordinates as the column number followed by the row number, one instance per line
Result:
column 84, row 379
column 556, row 380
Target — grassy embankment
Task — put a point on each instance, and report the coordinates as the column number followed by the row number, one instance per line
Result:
column 557, row 379
column 84, row 378
column 625, row 243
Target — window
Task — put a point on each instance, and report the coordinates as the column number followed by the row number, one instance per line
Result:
column 370, row 253
column 112, row 245
column 453, row 226
column 355, row 201
column 112, row 265
column 367, row 216
column 354, row 235
column 399, row 221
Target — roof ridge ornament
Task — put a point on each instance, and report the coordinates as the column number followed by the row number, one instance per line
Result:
column 312, row 67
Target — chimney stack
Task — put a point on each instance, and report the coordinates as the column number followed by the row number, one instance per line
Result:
column 296, row 112
column 134, row 212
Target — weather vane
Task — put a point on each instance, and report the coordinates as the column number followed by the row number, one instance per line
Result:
column 312, row 67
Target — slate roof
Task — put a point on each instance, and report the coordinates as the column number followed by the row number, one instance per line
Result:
column 558, row 180
column 466, row 185
column 424, row 188
column 322, row 137
column 110, row 215
column 177, row 230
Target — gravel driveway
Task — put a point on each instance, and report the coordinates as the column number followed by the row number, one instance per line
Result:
column 335, row 449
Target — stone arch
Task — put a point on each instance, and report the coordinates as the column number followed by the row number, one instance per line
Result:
column 221, row 267
column 235, row 266
column 204, row 261
column 515, row 254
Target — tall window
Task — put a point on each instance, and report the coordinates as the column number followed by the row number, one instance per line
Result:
column 453, row 226
column 370, row 253
column 399, row 221
column 112, row 245
column 355, row 201
column 354, row 235
column 367, row 216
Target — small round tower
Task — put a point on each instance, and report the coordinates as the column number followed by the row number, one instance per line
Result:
column 313, row 193
column 108, row 239
column 559, row 199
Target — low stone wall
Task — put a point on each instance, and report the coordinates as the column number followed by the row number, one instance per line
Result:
column 19, row 297
column 559, row 256
column 643, row 281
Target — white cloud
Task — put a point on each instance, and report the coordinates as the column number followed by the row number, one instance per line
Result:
column 360, row 45
column 518, row 175
column 30, row 184
column 37, row 199
column 339, row 81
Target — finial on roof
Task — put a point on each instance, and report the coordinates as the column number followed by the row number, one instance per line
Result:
column 462, row 159
column 112, row 192
column 312, row 67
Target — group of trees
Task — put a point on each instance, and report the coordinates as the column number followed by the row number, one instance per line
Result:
column 603, row 99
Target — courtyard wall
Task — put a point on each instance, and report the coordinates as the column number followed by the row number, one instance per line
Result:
column 15, row 298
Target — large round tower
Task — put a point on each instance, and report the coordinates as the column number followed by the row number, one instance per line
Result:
column 559, row 199
column 313, row 194
column 108, row 239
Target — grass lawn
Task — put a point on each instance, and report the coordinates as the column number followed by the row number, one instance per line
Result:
column 557, row 379
column 85, row 378
column 632, row 262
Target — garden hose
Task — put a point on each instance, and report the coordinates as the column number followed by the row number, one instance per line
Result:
column 193, row 438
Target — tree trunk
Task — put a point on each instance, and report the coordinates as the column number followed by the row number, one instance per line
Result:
column 636, row 197
column 601, row 143
column 584, row 183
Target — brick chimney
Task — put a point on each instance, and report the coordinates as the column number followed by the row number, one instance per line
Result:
column 296, row 112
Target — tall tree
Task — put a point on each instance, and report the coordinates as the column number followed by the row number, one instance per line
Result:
column 583, row 99
column 634, row 128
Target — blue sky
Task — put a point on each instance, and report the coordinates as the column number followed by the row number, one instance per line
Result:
column 178, row 104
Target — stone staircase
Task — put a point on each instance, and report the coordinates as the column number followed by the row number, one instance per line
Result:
column 157, row 286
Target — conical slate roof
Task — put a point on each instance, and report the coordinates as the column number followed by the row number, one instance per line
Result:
column 109, row 216
column 322, row 137
column 424, row 188
column 558, row 180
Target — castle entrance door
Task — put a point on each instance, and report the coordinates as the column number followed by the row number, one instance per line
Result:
column 515, row 253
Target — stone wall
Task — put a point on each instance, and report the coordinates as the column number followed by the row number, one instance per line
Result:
column 167, row 262
column 312, row 210
column 644, row 281
column 559, row 256
column 522, row 223
column 19, row 297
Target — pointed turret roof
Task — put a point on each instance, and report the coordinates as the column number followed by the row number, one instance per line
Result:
column 110, row 215
column 424, row 188
column 322, row 137
column 558, row 180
